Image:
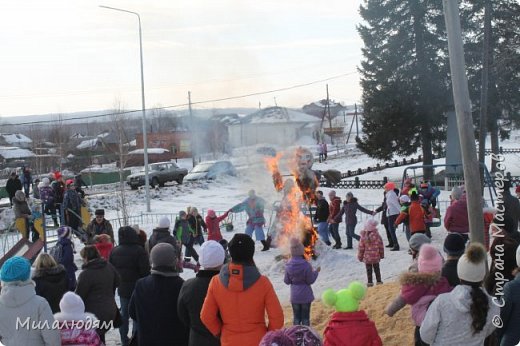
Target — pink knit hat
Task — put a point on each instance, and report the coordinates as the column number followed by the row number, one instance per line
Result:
column 371, row 225
column 429, row 260
column 211, row 213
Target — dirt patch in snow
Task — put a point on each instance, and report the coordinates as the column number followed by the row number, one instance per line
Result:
column 396, row 330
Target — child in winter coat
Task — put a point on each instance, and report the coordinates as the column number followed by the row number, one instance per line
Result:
column 466, row 315
column 300, row 275
column 77, row 326
column 371, row 251
column 185, row 234
column 415, row 214
column 212, row 223
column 348, row 326
column 104, row 245
column 67, row 254
column 421, row 288
column 403, row 218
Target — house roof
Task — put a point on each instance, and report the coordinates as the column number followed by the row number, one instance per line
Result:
column 88, row 144
column 278, row 115
column 15, row 138
column 15, row 153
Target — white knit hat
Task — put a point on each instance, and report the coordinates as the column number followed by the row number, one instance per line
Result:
column 518, row 256
column 72, row 307
column 164, row 222
column 472, row 265
column 212, row 254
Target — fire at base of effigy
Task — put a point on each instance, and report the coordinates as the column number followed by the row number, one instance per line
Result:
column 293, row 213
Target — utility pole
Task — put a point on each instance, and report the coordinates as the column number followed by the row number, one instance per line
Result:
column 484, row 89
column 193, row 136
column 464, row 120
column 357, row 123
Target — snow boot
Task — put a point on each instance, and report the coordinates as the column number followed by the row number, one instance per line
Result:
column 266, row 246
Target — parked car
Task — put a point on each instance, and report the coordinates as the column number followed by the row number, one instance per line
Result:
column 210, row 170
column 266, row 151
column 158, row 174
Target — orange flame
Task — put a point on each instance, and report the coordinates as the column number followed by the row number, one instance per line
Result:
column 292, row 223
column 272, row 166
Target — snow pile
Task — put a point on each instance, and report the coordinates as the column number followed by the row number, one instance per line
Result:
column 150, row 151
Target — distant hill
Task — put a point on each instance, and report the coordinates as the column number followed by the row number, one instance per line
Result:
column 82, row 117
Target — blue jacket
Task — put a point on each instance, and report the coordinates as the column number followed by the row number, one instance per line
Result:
column 67, row 260
column 510, row 314
column 254, row 208
column 350, row 209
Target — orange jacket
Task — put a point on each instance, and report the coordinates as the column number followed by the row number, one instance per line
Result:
column 416, row 216
column 236, row 303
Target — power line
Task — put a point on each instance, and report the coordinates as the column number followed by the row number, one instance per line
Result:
column 193, row 103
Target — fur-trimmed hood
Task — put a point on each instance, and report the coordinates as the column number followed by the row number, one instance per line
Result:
column 417, row 278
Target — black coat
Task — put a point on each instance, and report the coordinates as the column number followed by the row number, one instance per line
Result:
column 449, row 271
column 51, row 284
column 130, row 260
column 97, row 286
column 12, row 186
column 197, row 224
column 161, row 235
column 322, row 210
column 191, row 299
column 154, row 306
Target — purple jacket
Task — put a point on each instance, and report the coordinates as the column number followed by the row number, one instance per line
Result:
column 47, row 195
column 456, row 218
column 350, row 209
column 299, row 274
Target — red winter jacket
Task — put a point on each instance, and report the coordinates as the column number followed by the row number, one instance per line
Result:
column 213, row 225
column 334, row 210
column 456, row 218
column 351, row 328
column 371, row 249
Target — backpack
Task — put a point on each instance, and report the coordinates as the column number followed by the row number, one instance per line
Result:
column 57, row 252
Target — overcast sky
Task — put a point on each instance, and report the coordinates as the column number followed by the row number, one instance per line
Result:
column 70, row 55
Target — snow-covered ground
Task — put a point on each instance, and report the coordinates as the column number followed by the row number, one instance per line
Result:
column 339, row 267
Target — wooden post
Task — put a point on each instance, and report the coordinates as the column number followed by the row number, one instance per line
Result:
column 464, row 120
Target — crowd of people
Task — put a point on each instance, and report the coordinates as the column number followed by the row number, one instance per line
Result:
column 229, row 302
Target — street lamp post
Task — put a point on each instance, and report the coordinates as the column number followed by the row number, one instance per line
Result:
column 145, row 139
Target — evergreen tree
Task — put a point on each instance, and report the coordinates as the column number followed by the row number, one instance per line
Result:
column 404, row 76
column 504, row 72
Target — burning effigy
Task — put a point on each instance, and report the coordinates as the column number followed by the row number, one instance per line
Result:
column 293, row 214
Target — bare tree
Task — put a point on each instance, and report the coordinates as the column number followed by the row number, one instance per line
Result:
column 60, row 135
column 118, row 129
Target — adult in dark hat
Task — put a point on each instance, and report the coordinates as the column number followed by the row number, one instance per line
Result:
column 13, row 184
column 97, row 284
column 71, row 206
column 193, row 293
column 154, row 301
column 131, row 262
column 240, row 290
column 99, row 225
column 454, row 246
